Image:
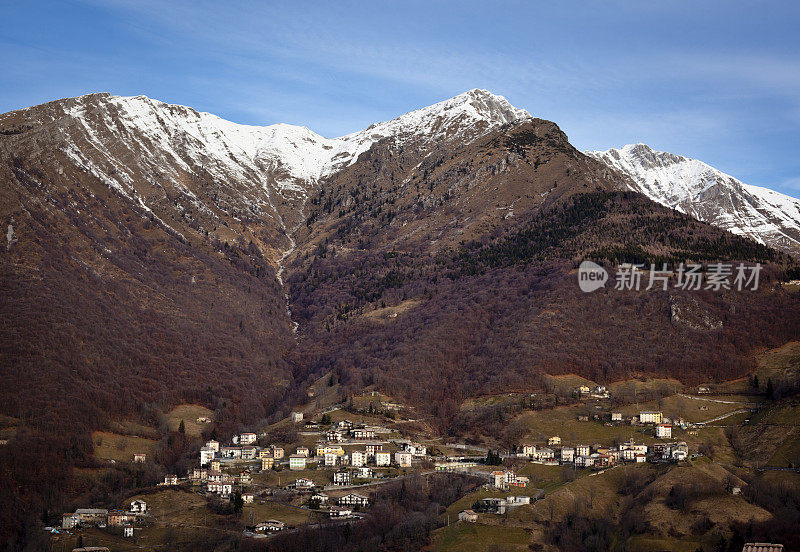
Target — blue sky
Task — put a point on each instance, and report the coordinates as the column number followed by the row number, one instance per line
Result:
column 719, row 81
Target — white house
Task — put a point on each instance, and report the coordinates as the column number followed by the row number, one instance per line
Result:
column 353, row 500
column 330, row 459
column 340, row 512
column 543, row 454
column 468, row 516
column 650, row 417
column 213, row 445
column 528, row 450
column 363, row 434
column 304, row 483
column 247, row 438
column 518, row 500
column 364, row 472
column 616, row 416
column 342, row 478
column 582, row 450
column 302, row 451
column 127, row 531
column 402, row 459
column 584, row 461
column 271, row 525
column 207, row 455
column 383, row 458
column 358, row 458
column 297, row 462
column 567, row 454
column 415, row 449
column 138, row 507
column 297, row 417
column 664, row 431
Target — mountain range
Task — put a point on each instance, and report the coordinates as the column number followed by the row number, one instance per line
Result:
column 150, row 240
column 155, row 255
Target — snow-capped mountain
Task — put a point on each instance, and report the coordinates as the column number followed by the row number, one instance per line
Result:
column 708, row 194
column 217, row 173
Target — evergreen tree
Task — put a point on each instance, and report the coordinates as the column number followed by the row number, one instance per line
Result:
column 770, row 391
column 182, row 428
column 238, row 502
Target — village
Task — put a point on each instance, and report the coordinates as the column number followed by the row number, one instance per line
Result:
column 333, row 477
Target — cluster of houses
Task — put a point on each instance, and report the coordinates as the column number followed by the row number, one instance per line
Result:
column 599, row 456
column 100, row 517
column 599, row 392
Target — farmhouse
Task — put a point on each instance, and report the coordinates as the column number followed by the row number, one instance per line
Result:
column 297, row 417
column 140, row 457
column 468, row 516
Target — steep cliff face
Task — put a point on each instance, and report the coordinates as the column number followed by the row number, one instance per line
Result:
column 710, row 195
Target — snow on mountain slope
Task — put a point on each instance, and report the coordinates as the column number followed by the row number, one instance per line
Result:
column 708, row 194
column 113, row 131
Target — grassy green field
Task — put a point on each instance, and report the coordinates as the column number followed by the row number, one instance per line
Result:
column 692, row 410
column 284, row 477
column 120, row 448
column 462, row 536
column 256, row 513
column 188, row 413
column 563, row 421
column 175, row 506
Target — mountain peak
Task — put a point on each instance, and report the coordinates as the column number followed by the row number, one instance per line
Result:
column 708, row 194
